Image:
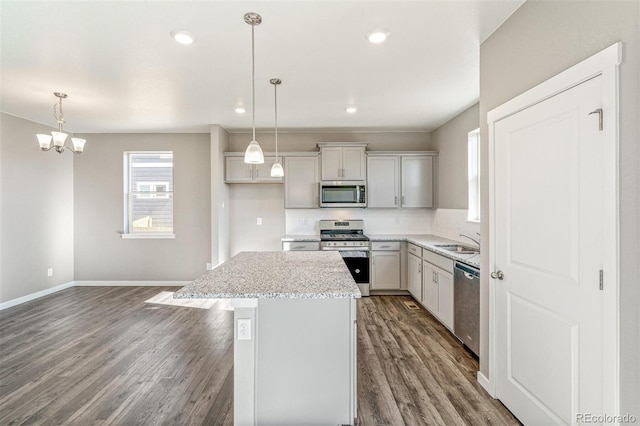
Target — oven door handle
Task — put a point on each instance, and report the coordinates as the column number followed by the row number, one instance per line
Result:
column 346, row 249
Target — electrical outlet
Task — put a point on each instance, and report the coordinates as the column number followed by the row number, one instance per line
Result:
column 259, row 221
column 50, row 272
column 244, row 329
column 209, row 266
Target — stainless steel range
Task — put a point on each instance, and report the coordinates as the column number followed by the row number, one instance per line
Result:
column 347, row 237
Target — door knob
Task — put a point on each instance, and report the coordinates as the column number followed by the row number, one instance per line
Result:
column 498, row 275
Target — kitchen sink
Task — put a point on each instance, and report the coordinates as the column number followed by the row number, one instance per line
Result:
column 458, row 248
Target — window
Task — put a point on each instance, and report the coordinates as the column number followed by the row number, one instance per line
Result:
column 473, row 179
column 148, row 194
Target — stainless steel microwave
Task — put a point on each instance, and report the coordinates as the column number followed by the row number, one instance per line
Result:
column 343, row 194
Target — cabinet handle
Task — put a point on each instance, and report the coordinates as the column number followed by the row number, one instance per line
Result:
column 403, row 200
column 395, row 200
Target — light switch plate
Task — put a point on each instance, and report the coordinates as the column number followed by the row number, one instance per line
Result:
column 244, row 329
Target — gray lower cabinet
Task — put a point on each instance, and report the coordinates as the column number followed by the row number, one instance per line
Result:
column 437, row 287
column 301, row 182
column 385, row 266
column 414, row 276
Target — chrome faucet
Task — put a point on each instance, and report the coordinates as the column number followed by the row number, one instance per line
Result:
column 472, row 239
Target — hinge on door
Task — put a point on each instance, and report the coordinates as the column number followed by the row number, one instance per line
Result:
column 601, row 279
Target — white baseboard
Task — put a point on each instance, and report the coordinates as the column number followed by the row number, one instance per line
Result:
column 36, row 295
column 130, row 283
column 486, row 384
column 39, row 294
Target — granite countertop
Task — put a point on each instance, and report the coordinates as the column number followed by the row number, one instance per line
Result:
column 275, row 275
column 290, row 238
column 428, row 242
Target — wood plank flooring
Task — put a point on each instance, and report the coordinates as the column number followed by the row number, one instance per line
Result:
column 102, row 356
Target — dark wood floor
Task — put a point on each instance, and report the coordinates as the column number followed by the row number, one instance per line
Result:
column 100, row 355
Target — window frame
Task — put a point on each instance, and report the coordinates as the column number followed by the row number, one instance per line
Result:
column 129, row 232
column 473, row 176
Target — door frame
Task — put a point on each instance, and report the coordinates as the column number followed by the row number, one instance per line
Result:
column 605, row 64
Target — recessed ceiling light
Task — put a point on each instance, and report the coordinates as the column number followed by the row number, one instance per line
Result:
column 351, row 109
column 239, row 110
column 182, row 36
column 377, row 36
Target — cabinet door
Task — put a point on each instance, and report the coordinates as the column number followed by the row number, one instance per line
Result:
column 237, row 170
column 414, row 276
column 301, row 188
column 445, row 297
column 262, row 171
column 385, row 270
column 331, row 163
column 417, row 181
column 383, row 181
column 353, row 163
column 429, row 288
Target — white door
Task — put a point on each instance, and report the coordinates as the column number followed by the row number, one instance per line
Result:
column 417, row 181
column 548, row 204
column 382, row 181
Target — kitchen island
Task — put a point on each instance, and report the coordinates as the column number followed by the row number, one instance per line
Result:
column 294, row 335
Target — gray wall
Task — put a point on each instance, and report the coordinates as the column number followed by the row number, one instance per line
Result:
column 249, row 202
column 100, row 253
column 306, row 141
column 451, row 140
column 538, row 41
column 36, row 222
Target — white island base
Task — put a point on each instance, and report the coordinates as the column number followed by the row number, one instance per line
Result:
column 294, row 335
column 299, row 367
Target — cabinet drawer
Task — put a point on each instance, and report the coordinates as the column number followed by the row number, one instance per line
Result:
column 300, row 245
column 414, row 249
column 438, row 260
column 385, row 245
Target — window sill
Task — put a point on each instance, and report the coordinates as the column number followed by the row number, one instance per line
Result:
column 148, row 236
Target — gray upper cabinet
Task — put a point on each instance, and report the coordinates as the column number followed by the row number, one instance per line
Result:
column 343, row 161
column 397, row 180
column 383, row 181
column 417, row 181
column 301, row 190
column 237, row 171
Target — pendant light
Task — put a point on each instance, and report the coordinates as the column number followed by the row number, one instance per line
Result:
column 253, row 154
column 276, row 169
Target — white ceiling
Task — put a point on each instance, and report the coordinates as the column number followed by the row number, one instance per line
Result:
column 124, row 73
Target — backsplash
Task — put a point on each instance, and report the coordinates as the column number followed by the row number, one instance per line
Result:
column 450, row 223
column 376, row 221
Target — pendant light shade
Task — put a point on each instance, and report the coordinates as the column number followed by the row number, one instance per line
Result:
column 276, row 169
column 253, row 154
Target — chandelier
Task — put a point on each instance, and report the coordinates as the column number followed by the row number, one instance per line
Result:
column 60, row 137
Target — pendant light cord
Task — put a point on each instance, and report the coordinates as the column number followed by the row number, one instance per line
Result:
column 275, row 96
column 253, row 82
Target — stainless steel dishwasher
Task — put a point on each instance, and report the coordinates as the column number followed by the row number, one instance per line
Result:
column 466, row 303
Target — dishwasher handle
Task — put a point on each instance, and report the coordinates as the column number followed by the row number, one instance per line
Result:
column 469, row 272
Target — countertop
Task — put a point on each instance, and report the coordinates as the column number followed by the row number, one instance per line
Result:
column 426, row 241
column 275, row 275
